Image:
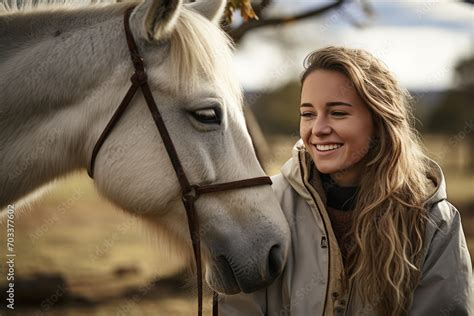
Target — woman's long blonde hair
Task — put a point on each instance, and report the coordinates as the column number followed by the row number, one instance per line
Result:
column 389, row 217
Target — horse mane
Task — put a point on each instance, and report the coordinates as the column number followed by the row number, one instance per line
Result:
column 12, row 6
column 200, row 50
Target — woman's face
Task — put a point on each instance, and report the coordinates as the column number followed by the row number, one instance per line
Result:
column 336, row 125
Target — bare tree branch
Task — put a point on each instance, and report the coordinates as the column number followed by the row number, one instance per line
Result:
column 238, row 33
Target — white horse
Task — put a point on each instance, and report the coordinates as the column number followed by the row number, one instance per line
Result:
column 63, row 71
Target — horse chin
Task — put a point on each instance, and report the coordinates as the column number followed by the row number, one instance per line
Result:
column 222, row 279
column 228, row 287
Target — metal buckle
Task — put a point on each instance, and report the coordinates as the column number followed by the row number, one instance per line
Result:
column 191, row 195
column 139, row 77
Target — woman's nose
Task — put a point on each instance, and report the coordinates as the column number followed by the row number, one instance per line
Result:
column 321, row 127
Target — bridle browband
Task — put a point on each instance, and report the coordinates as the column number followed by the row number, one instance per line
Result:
column 190, row 192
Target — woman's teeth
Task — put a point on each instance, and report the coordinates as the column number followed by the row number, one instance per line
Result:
column 328, row 147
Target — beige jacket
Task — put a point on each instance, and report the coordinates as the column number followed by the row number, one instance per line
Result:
column 311, row 283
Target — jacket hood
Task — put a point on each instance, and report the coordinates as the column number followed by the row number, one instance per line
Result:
column 298, row 167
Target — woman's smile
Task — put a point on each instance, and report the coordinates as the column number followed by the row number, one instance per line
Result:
column 336, row 125
column 327, row 148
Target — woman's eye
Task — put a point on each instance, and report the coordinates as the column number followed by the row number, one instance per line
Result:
column 307, row 114
column 207, row 116
column 339, row 114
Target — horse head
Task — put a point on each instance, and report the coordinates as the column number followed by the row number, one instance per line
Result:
column 244, row 234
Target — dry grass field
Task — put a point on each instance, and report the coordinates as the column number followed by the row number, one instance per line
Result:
column 77, row 254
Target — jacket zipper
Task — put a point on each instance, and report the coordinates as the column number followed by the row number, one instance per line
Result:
column 325, row 232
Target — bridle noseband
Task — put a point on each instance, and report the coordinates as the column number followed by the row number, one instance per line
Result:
column 190, row 192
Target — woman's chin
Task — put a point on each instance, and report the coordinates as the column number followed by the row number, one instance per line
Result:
column 328, row 169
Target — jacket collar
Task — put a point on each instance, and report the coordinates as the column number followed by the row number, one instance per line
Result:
column 436, row 183
column 298, row 168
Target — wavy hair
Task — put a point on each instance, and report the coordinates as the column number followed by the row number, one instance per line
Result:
column 389, row 218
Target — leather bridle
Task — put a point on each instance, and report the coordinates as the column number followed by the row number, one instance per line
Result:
column 190, row 192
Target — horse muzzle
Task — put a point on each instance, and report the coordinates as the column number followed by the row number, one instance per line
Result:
column 231, row 273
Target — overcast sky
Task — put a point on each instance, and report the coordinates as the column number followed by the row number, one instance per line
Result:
column 420, row 41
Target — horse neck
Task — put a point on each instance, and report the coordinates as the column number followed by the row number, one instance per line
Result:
column 50, row 63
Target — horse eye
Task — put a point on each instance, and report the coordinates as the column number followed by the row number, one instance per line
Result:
column 207, row 116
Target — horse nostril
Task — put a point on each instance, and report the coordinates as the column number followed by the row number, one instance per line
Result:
column 275, row 261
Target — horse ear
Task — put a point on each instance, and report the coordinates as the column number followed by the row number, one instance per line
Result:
column 210, row 9
column 155, row 19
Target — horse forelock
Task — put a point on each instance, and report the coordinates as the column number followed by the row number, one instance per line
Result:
column 200, row 54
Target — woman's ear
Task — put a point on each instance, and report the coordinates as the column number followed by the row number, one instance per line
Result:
column 210, row 9
column 155, row 19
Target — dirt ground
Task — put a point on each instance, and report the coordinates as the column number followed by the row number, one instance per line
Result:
column 77, row 254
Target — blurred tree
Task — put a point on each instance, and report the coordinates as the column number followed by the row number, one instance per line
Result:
column 454, row 115
column 254, row 15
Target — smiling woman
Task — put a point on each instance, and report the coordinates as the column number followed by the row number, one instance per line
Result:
column 372, row 230
column 335, row 124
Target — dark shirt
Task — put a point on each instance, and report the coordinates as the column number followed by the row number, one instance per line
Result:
column 340, row 202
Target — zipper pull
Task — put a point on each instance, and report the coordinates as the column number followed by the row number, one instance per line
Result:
column 324, row 242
